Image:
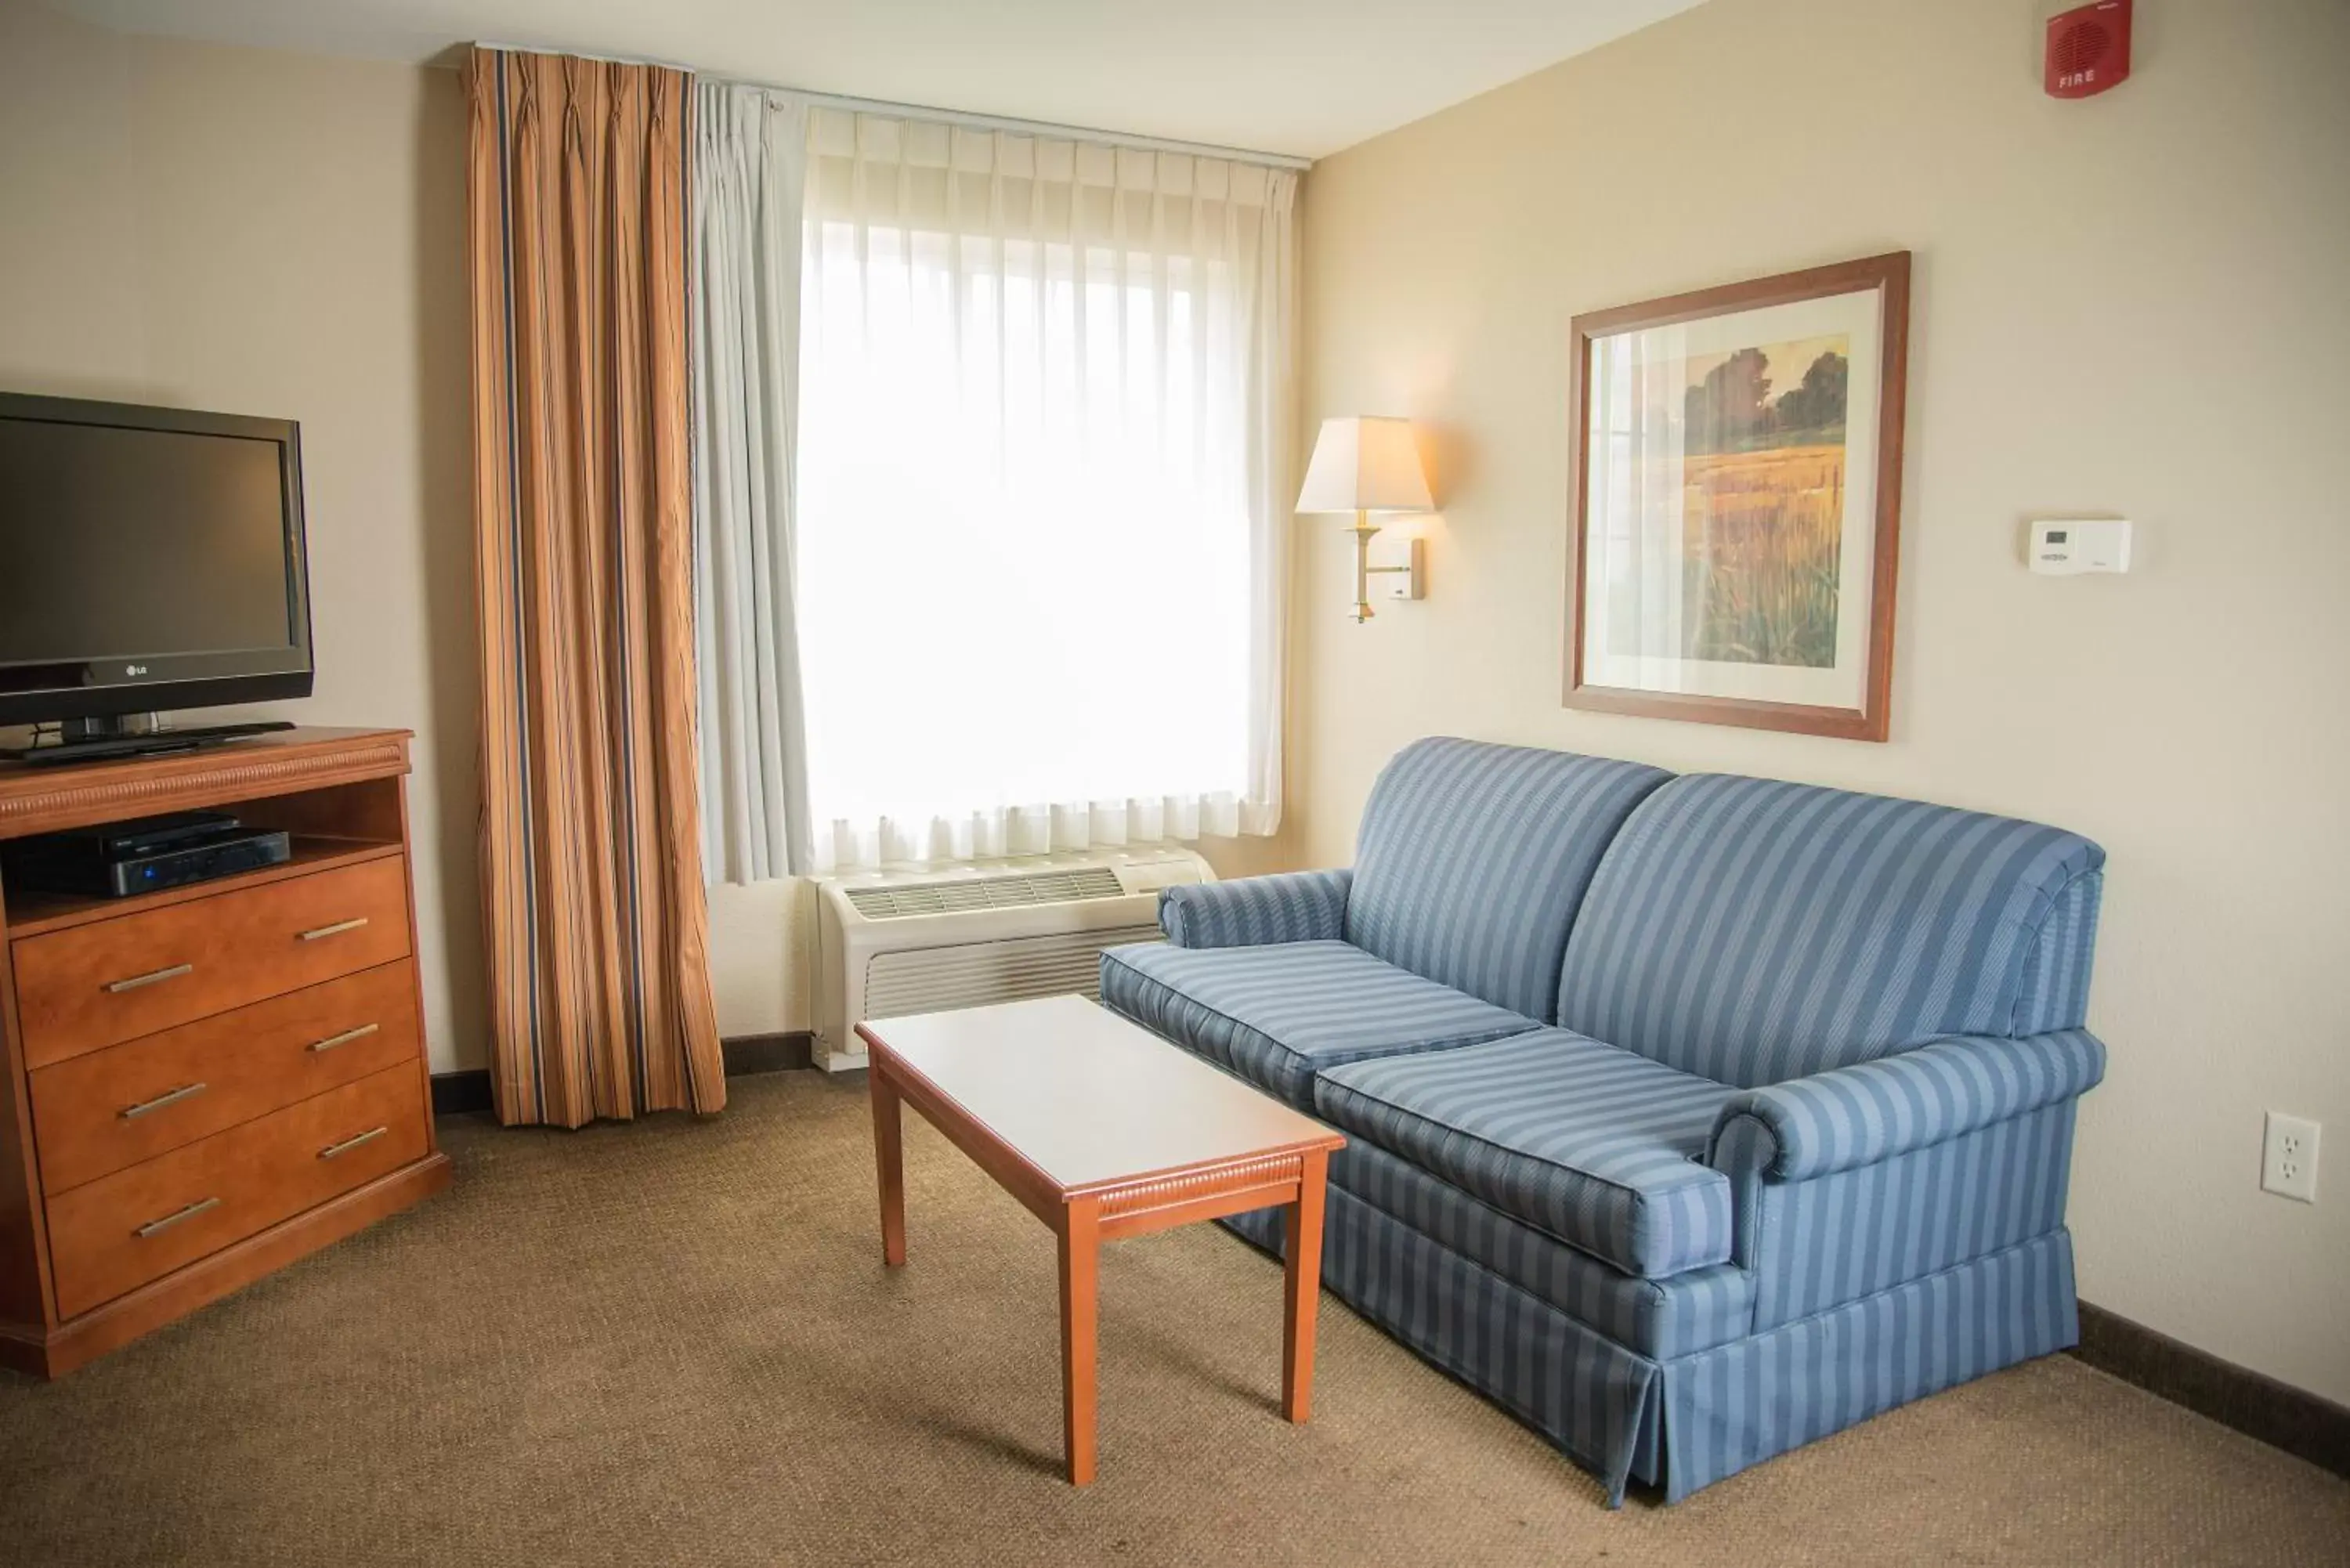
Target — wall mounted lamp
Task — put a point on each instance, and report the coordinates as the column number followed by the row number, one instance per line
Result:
column 1363, row 464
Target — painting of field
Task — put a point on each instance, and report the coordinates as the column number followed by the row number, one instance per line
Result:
column 1761, row 459
column 1763, row 540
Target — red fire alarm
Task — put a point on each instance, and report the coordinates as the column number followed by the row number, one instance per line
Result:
column 2088, row 49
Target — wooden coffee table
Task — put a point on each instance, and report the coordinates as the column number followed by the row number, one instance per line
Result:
column 1102, row 1130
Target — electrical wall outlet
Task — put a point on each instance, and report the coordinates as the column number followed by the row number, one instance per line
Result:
column 2289, row 1157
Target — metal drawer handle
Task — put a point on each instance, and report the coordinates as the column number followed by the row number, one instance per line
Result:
column 156, row 1227
column 349, row 1144
column 344, row 1038
column 337, row 928
column 173, row 1097
column 150, row 978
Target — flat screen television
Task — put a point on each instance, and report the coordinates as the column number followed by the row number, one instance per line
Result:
column 150, row 559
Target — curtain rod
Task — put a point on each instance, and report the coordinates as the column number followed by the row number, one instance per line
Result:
column 941, row 116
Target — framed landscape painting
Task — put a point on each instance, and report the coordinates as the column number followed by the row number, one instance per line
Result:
column 1737, row 482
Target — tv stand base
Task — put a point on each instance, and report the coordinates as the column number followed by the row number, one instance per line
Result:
column 98, row 741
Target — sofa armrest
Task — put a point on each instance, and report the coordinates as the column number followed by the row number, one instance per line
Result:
column 1857, row 1116
column 1295, row 906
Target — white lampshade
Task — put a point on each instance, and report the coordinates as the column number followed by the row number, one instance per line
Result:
column 1363, row 463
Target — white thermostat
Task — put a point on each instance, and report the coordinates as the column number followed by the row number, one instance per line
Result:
column 2063, row 547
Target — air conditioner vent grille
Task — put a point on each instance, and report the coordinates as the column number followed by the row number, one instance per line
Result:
column 934, row 979
column 963, row 893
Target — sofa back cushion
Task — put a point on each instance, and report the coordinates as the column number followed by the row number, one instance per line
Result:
column 1753, row 931
column 1473, row 860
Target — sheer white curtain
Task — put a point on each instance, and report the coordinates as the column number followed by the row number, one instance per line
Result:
column 1045, row 394
column 749, row 169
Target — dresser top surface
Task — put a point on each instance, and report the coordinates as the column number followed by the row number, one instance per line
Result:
column 44, row 799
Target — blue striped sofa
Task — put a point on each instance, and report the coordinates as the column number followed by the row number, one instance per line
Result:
column 1691, row 1118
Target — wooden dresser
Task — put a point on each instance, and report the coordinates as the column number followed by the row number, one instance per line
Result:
column 202, row 1085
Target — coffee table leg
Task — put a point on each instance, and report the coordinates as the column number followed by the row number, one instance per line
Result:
column 1080, row 1297
column 888, row 1159
column 1303, row 1239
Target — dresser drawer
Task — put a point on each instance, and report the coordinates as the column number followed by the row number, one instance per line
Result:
column 110, row 1236
column 91, row 986
column 101, row 1112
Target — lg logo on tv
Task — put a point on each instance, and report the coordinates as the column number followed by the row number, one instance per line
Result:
column 134, row 670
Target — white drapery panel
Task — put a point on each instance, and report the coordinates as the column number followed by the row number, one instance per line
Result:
column 749, row 170
column 1046, row 396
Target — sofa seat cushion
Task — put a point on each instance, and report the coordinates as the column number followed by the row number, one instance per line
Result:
column 1595, row 1146
column 1277, row 1014
column 1659, row 1318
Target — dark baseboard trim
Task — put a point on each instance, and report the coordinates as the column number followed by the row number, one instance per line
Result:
column 769, row 1052
column 463, row 1094
column 2300, row 1423
column 467, row 1093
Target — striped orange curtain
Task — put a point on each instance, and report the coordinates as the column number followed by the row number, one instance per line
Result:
column 596, row 923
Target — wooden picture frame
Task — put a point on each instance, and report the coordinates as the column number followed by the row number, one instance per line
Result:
column 1742, row 579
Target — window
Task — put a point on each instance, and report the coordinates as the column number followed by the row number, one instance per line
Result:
column 992, row 498
column 1030, row 547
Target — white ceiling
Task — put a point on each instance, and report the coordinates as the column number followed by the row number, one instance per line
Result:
column 1303, row 77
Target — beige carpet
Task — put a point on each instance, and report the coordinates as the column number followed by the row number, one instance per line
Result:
column 674, row 1343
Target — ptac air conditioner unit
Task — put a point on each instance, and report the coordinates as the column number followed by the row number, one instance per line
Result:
column 888, row 943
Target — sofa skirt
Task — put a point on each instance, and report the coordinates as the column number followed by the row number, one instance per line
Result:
column 1684, row 1423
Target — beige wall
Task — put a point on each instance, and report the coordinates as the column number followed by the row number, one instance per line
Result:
column 2133, row 304
column 280, row 235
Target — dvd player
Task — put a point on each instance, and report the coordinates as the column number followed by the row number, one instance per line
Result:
column 116, row 859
